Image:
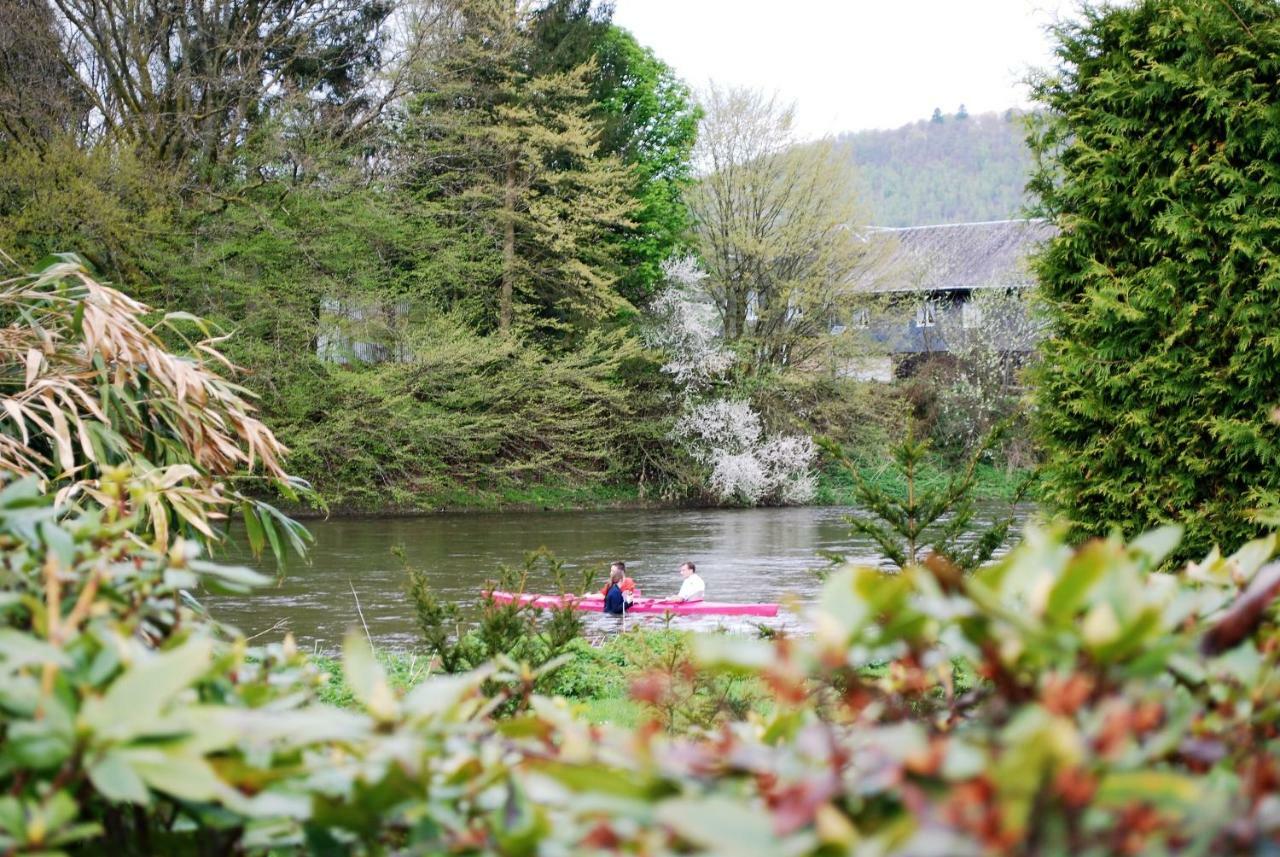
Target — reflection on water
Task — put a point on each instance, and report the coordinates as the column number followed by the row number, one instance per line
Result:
column 743, row 554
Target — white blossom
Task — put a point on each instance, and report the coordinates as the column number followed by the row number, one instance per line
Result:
column 685, row 325
column 746, row 467
column 724, row 434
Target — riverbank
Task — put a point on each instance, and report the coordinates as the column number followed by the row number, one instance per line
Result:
column 625, row 680
column 834, row 488
column 596, row 680
column 991, row 483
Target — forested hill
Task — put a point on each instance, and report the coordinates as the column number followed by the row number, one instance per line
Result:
column 949, row 168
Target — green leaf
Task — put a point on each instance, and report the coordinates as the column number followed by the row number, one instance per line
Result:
column 1120, row 788
column 1081, row 574
column 19, row 649
column 116, row 780
column 134, row 701
column 1157, row 544
column 174, row 772
column 366, row 678
column 720, row 825
column 744, row 654
column 236, row 578
column 253, row 529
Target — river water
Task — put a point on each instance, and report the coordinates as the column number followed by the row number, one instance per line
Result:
column 742, row 554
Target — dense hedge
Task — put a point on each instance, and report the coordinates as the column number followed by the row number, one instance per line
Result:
column 1159, row 159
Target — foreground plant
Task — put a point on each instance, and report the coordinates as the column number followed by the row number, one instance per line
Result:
column 1115, row 710
column 523, row 632
column 101, row 403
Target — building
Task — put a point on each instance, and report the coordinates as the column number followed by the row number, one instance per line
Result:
column 924, row 288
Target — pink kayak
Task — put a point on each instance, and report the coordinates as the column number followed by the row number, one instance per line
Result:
column 641, row 605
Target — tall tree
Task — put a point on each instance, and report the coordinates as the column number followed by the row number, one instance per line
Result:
column 188, row 81
column 649, row 119
column 1160, row 162
column 516, row 155
column 38, row 93
column 775, row 225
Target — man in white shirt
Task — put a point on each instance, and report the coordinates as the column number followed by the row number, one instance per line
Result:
column 693, row 589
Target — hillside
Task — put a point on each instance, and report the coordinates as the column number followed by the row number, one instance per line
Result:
column 951, row 168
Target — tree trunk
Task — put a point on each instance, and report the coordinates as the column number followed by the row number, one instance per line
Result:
column 508, row 248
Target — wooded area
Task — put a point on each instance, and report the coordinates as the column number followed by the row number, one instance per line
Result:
column 437, row 230
column 952, row 168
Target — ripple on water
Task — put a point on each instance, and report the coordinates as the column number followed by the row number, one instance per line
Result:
column 742, row 554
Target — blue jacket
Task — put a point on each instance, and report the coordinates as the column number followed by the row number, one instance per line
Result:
column 613, row 601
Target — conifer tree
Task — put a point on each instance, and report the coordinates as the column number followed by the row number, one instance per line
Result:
column 1159, row 159
column 515, row 154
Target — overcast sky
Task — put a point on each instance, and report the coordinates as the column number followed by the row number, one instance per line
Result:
column 853, row 64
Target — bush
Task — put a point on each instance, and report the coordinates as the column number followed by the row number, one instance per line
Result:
column 1115, row 711
column 1157, row 157
column 524, row 633
column 467, row 414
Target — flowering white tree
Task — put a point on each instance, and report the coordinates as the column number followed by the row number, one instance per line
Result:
column 686, row 327
column 722, row 432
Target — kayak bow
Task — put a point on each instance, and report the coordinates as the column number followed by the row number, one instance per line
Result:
column 641, row 605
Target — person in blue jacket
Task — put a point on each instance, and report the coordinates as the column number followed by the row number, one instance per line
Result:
column 614, row 602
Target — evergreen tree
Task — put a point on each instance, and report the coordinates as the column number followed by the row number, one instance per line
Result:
column 515, row 155
column 648, row 118
column 936, row 119
column 1159, row 160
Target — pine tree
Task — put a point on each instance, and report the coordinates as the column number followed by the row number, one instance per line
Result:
column 515, row 155
column 1159, row 160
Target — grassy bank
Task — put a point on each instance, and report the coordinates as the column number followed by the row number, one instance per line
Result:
column 597, row 680
column 835, row 485
column 835, row 488
column 531, row 498
column 600, row 682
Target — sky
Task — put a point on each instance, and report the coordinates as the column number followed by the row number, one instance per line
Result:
column 854, row 64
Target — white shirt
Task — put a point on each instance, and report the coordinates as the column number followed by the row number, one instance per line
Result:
column 692, row 589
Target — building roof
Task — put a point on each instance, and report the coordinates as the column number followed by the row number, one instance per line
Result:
column 951, row 256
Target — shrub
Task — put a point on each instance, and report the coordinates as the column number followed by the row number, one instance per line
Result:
column 1157, row 156
column 107, row 406
column 524, row 633
column 924, row 522
column 1116, row 711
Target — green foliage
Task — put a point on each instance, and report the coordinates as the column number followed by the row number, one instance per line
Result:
column 468, row 413
column 1158, row 160
column 58, row 196
column 905, row 522
column 942, row 170
column 355, row 240
column 1115, row 710
column 521, row 632
column 648, row 119
column 511, row 151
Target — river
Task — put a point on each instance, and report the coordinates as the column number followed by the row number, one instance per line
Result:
column 742, row 554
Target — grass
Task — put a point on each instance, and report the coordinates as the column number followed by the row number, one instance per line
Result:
column 835, row 485
column 597, row 682
column 596, row 679
column 404, row 671
column 834, row 489
column 616, row 711
column 549, row 498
